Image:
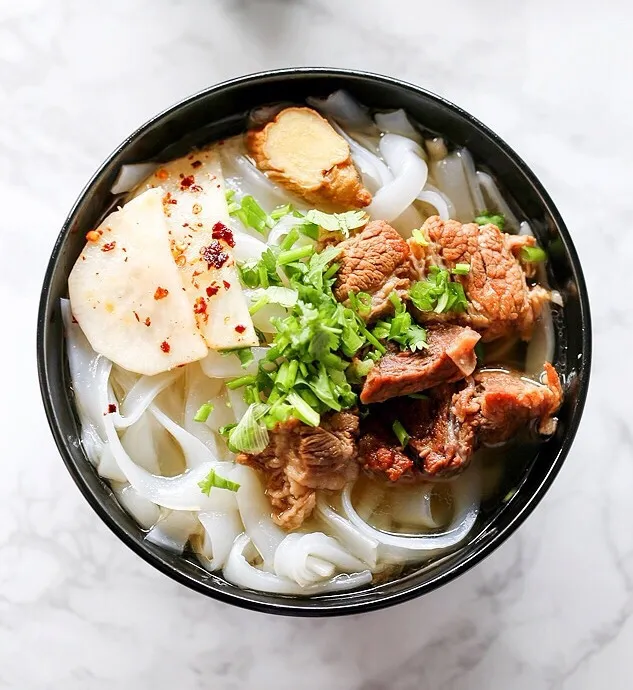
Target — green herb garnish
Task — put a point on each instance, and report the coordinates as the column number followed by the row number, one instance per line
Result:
column 338, row 222
column 214, row 480
column 251, row 214
column 400, row 433
column 203, row 412
column 486, row 217
column 438, row 293
column 533, row 254
column 461, row 269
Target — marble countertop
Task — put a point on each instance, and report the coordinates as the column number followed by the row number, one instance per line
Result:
column 553, row 607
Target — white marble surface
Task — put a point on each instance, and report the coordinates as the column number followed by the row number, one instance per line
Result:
column 553, row 607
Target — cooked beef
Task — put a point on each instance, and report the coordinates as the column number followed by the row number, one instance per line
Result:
column 450, row 356
column 498, row 403
column 439, row 446
column 300, row 459
column 490, row 407
column 501, row 301
column 376, row 261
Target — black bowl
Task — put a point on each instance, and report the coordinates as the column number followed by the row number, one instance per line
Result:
column 219, row 112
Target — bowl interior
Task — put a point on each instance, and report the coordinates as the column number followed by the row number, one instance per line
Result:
column 220, row 112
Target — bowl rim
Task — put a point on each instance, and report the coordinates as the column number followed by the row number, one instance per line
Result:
column 295, row 606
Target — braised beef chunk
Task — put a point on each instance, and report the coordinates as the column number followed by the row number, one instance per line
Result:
column 439, row 446
column 450, row 356
column 498, row 403
column 376, row 261
column 501, row 301
column 300, row 459
column 444, row 429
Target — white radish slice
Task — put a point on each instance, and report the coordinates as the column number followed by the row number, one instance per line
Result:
column 194, row 204
column 131, row 175
column 172, row 532
column 126, row 292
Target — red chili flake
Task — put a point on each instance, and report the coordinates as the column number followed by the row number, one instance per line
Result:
column 161, row 292
column 74, row 320
column 212, row 290
column 213, row 254
column 240, row 329
column 195, row 188
column 111, row 408
column 162, row 174
column 226, row 284
column 200, row 306
column 196, row 164
column 186, row 182
column 173, row 201
column 108, row 246
column 136, row 316
column 164, row 346
column 220, row 232
column 185, row 225
column 148, row 321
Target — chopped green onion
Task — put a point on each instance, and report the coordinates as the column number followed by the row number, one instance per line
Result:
column 214, row 480
column 461, row 269
column 303, row 411
column 401, row 433
column 227, row 428
column 533, row 254
column 245, row 355
column 360, row 302
column 331, row 271
column 373, row 340
column 485, row 217
column 252, row 215
column 242, row 381
column 256, row 306
column 281, row 211
column 294, row 255
column 251, row 434
column 289, row 239
column 203, row 412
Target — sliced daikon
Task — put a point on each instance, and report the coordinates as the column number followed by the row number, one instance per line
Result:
column 201, row 242
column 126, row 292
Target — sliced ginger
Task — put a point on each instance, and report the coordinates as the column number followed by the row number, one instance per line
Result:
column 301, row 151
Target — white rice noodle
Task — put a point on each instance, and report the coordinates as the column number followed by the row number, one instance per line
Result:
column 495, row 202
column 238, row 405
column 255, row 182
column 471, row 178
column 195, row 452
column 141, row 397
column 172, row 531
column 373, row 170
column 241, row 573
column 311, row 558
column 542, row 344
column 450, row 178
column 143, row 511
column 247, row 247
column 222, row 526
column 397, row 122
column 369, row 500
column 440, row 202
column 255, row 513
column 401, row 547
column 350, row 114
column 413, row 506
column 404, row 159
column 138, row 441
column 358, row 544
column 87, row 371
column 132, row 175
column 406, row 222
column 222, row 366
column 200, row 389
column 108, row 468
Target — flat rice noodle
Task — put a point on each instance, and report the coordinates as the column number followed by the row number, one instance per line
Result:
column 172, row 532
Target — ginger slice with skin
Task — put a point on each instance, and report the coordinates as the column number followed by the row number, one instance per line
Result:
column 300, row 150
